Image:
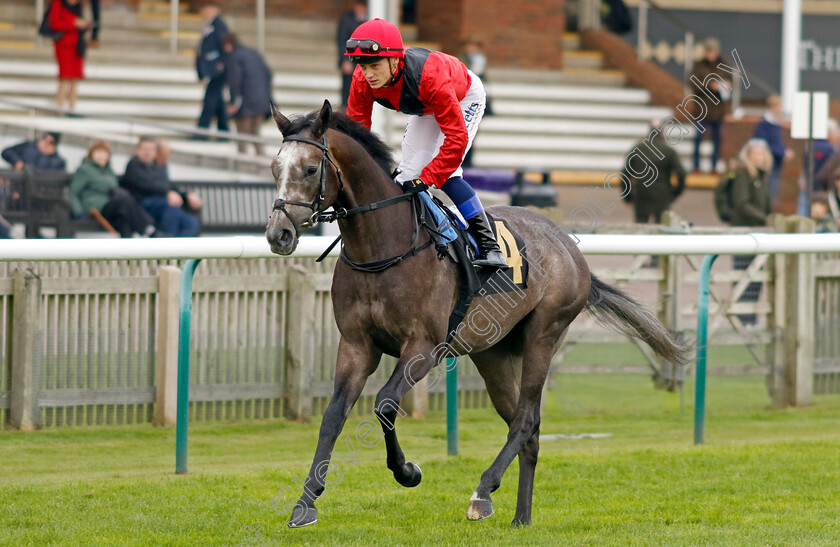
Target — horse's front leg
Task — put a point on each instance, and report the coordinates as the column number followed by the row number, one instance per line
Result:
column 415, row 362
column 354, row 364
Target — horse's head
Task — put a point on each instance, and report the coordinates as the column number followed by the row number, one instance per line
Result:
column 306, row 178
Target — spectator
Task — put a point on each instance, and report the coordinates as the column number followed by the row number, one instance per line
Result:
column 149, row 183
column 66, row 17
column 654, row 197
column 94, row 37
column 824, row 154
column 770, row 129
column 751, row 206
column 820, row 213
column 824, row 178
column 193, row 202
column 249, row 81
column 95, row 186
column 211, row 69
column 346, row 25
column 40, row 153
column 714, row 97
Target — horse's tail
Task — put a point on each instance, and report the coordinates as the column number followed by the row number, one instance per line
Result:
column 616, row 309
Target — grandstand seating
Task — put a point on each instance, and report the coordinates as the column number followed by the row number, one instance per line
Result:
column 579, row 122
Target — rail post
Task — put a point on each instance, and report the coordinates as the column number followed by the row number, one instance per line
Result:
column 183, row 413
column 452, row 406
column 702, row 335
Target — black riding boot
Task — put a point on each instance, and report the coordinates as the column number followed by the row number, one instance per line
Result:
column 489, row 254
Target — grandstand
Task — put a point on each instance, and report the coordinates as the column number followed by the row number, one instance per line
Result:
column 578, row 123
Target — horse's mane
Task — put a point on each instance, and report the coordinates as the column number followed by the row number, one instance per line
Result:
column 378, row 150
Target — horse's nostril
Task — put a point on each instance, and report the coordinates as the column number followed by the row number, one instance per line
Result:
column 286, row 238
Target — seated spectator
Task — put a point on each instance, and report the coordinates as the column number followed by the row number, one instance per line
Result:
column 149, row 183
column 40, row 153
column 192, row 201
column 820, row 213
column 95, row 186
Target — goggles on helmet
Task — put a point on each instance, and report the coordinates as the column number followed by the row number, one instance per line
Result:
column 366, row 46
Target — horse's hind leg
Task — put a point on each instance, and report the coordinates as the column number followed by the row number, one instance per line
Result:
column 523, row 435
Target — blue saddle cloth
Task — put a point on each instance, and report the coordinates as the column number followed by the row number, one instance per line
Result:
column 443, row 219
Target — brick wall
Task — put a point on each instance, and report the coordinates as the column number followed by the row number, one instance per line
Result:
column 515, row 33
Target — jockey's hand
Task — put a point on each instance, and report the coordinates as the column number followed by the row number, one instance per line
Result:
column 414, row 186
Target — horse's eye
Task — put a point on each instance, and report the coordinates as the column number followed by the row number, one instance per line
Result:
column 311, row 170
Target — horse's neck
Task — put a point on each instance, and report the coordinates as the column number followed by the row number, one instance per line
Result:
column 372, row 235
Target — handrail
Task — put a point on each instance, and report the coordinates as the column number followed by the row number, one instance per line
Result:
column 191, row 131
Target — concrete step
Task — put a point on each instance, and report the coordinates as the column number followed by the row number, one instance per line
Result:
column 554, row 160
column 567, row 76
column 577, row 59
column 571, row 41
column 162, row 76
column 499, row 90
column 578, row 110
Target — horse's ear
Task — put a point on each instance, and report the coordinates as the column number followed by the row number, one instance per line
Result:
column 281, row 120
column 323, row 120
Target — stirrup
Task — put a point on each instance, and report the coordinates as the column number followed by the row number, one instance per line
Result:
column 494, row 259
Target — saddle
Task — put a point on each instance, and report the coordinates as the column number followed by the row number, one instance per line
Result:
column 452, row 241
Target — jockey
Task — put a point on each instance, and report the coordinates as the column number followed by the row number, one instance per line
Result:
column 445, row 103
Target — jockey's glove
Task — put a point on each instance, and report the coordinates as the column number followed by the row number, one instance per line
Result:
column 414, row 186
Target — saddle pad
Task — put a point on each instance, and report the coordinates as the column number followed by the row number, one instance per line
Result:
column 443, row 224
column 516, row 276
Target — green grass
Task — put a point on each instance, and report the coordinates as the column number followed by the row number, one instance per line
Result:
column 764, row 477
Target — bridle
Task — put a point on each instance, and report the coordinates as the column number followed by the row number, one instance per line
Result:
column 315, row 205
column 330, row 216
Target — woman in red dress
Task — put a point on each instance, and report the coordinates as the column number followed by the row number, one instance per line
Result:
column 66, row 17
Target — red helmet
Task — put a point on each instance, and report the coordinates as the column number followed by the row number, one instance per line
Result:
column 375, row 38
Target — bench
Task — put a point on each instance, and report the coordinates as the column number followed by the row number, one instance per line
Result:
column 234, row 207
column 525, row 186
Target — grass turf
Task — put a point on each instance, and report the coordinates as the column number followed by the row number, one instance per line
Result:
column 764, row 477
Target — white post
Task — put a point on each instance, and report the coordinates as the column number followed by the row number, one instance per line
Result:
column 642, row 38
column 261, row 26
column 791, row 37
column 173, row 27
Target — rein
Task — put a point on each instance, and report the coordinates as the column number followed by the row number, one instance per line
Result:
column 335, row 214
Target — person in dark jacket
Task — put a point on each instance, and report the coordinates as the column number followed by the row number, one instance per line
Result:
column 751, row 206
column 149, row 183
column 95, row 186
column 249, row 81
column 40, row 153
column 211, row 69
column 715, row 109
column 349, row 21
column 651, row 198
column 770, row 130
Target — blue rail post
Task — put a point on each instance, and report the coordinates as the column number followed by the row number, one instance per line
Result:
column 182, row 414
column 452, row 406
column 702, row 336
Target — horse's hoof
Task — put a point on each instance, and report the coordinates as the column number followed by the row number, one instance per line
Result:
column 413, row 475
column 480, row 509
column 518, row 523
column 302, row 516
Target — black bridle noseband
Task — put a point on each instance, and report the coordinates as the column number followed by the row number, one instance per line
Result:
column 315, row 205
